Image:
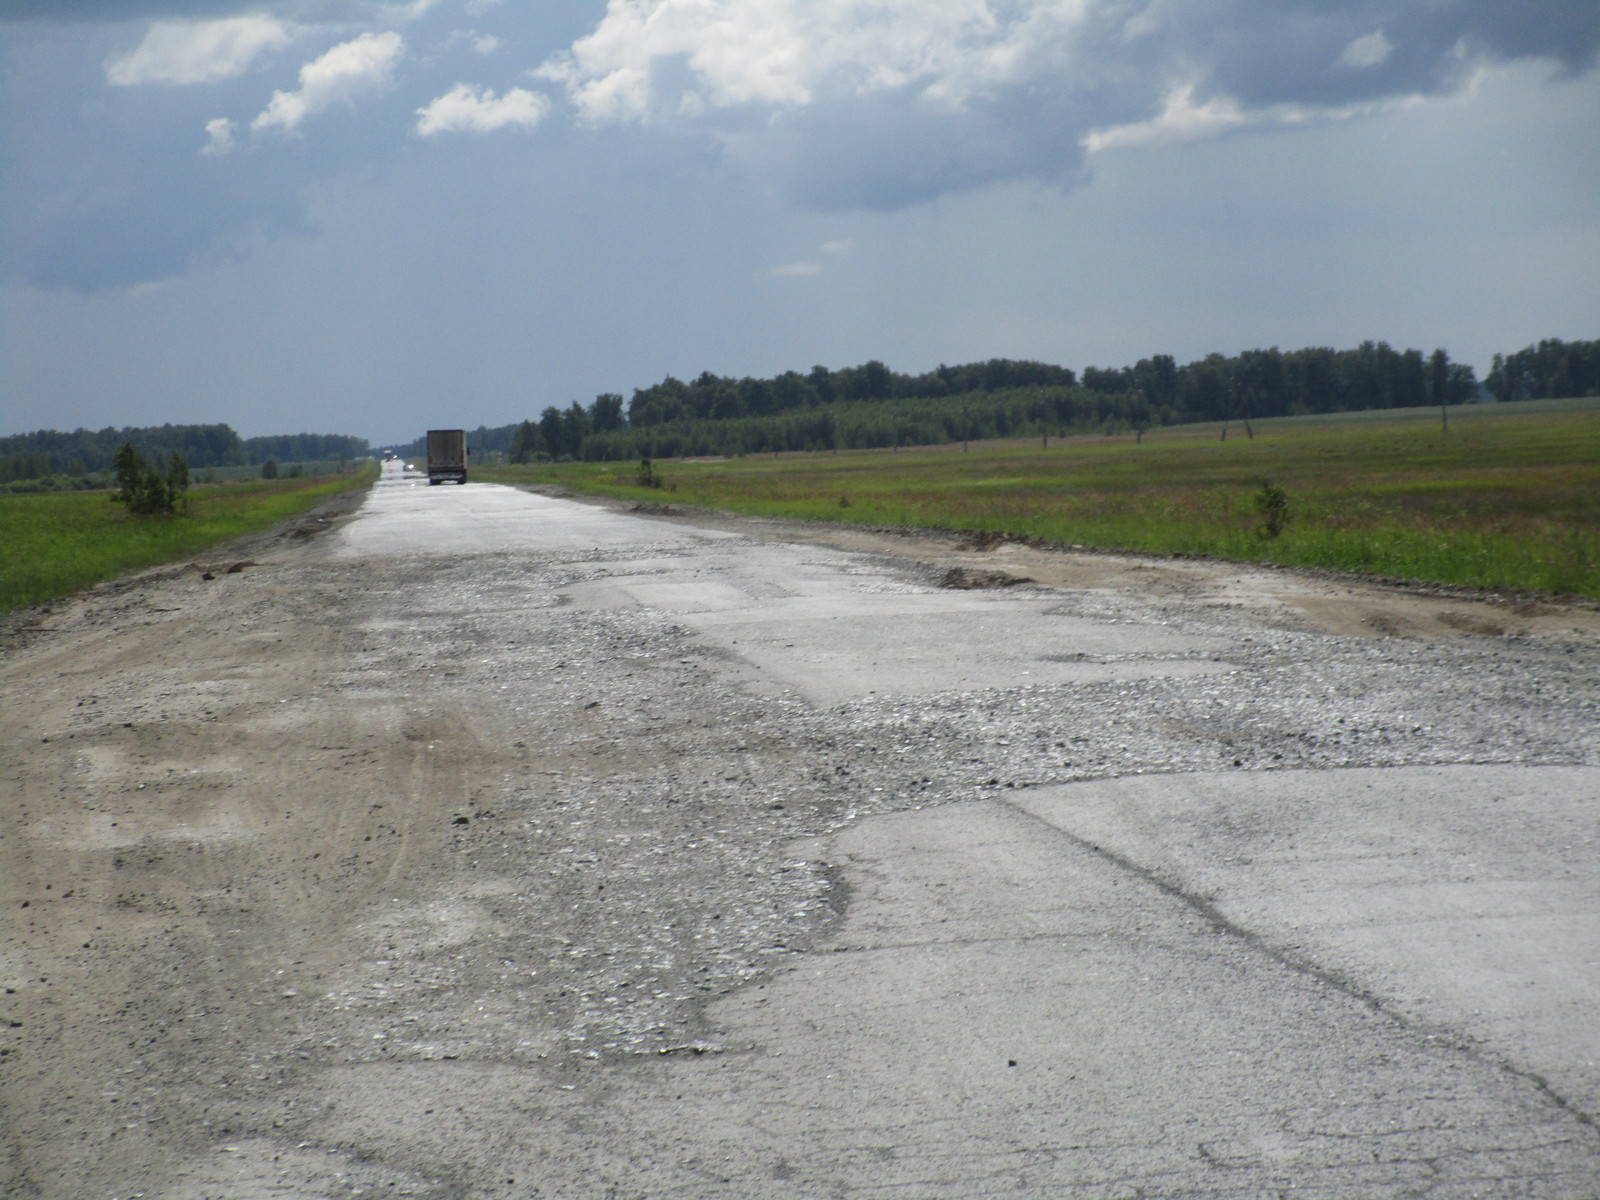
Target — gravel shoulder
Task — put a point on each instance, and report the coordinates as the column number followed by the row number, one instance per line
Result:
column 451, row 875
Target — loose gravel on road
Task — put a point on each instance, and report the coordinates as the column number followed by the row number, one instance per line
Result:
column 422, row 874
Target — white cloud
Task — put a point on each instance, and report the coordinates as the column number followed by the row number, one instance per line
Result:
column 1180, row 120
column 198, row 51
column 1364, row 52
column 838, row 246
column 483, row 44
column 411, row 10
column 795, row 270
column 220, row 131
column 465, row 108
column 364, row 64
column 788, row 52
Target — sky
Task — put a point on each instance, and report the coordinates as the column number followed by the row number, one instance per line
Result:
column 345, row 216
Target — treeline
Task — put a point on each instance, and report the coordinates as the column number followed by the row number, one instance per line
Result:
column 873, row 406
column 86, row 452
column 302, row 448
column 562, row 433
column 1553, row 369
column 915, row 421
column 714, row 398
column 1272, row 383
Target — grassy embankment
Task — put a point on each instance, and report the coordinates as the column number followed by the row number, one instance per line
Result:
column 61, row 542
column 1509, row 498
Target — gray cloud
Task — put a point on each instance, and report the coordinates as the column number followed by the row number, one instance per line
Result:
column 876, row 106
column 162, row 211
column 104, row 12
column 886, row 151
column 1567, row 31
column 1266, row 52
column 114, row 188
column 871, row 105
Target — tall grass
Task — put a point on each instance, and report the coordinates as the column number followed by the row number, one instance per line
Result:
column 58, row 543
column 1508, row 498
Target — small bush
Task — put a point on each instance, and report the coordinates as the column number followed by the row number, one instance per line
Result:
column 647, row 476
column 1272, row 502
column 147, row 491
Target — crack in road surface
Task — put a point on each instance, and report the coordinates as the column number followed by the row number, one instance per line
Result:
column 1573, row 786
column 495, row 845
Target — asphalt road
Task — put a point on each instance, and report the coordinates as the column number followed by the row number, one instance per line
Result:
column 715, row 863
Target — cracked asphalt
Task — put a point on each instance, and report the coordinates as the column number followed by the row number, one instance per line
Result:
column 490, row 844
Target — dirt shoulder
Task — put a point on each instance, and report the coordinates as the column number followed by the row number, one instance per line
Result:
column 23, row 627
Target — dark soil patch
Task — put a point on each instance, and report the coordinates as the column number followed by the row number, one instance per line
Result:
column 961, row 577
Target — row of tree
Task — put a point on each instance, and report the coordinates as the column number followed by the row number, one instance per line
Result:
column 1255, row 383
column 1037, row 412
column 87, row 452
column 302, row 448
column 1552, row 369
column 561, row 433
column 1270, row 383
column 872, row 406
column 716, row 398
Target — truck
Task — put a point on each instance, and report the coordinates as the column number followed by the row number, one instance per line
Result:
column 447, row 455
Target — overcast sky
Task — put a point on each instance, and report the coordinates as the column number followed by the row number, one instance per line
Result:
column 338, row 216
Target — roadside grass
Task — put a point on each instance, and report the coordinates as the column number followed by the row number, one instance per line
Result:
column 57, row 543
column 1509, row 498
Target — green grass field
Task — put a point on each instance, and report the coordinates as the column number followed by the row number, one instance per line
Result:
column 58, row 543
column 1509, row 498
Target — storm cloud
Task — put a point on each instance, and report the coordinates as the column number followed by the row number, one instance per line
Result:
column 160, row 144
column 867, row 104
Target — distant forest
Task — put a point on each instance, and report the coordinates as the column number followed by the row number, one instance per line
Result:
column 86, row 452
column 1551, row 370
column 873, row 406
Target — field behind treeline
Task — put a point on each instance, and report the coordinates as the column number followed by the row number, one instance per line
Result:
column 1507, row 498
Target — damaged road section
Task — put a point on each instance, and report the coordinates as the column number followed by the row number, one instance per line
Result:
column 497, row 845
